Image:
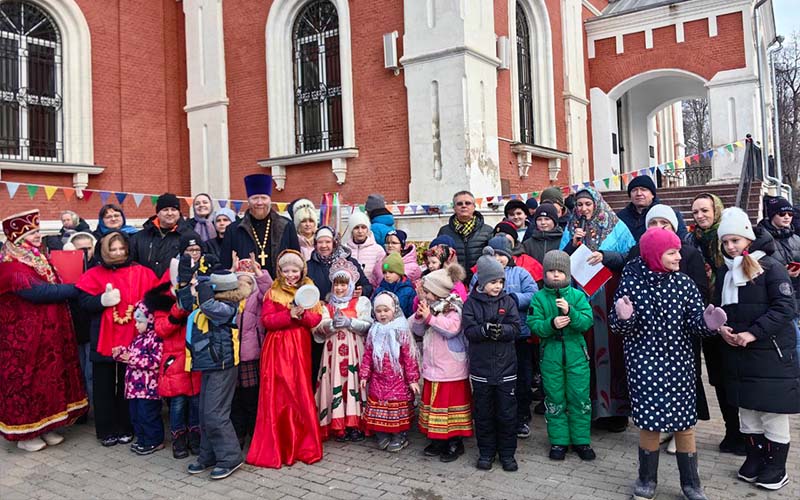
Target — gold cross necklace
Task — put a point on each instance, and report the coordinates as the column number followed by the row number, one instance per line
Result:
column 263, row 255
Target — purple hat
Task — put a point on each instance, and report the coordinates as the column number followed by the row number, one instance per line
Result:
column 258, row 184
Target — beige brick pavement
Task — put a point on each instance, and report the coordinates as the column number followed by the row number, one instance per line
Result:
column 82, row 469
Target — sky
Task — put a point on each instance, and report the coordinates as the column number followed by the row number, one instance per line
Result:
column 787, row 16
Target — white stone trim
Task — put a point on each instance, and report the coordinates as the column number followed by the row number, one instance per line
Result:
column 544, row 110
column 648, row 39
column 620, row 43
column 526, row 152
column 679, row 35
column 337, row 157
column 621, row 88
column 280, row 78
column 712, row 26
column 591, row 8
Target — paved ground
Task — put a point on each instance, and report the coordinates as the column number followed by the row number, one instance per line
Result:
column 81, row 469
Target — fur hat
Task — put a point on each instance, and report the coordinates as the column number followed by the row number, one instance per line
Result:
column 224, row 280
column 442, row 281
column 557, row 260
column 735, row 221
column 513, row 205
column 501, row 246
column 393, row 263
column 488, row 268
column 661, row 211
column 304, row 209
column 777, row 205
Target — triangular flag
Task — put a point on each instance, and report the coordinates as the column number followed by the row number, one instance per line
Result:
column 282, row 206
column 222, row 203
column 237, row 206
column 634, row 175
column 534, row 194
column 87, row 194
column 137, row 198
column 729, row 147
column 679, row 163
column 721, row 149
column 607, row 181
column 12, row 189
column 575, row 187
column 154, row 199
column 565, row 190
column 489, row 199
column 615, row 179
column 643, row 171
column 478, row 202
column 426, row 208
column 49, row 191
column 413, row 209
column 121, row 197
column 670, row 166
column 402, row 209
column 32, row 190
column 652, row 170
column 738, row 144
column 688, row 160
column 68, row 193
column 598, row 185
column 696, row 158
column 710, row 153
column 662, row 169
column 586, row 184
column 104, row 197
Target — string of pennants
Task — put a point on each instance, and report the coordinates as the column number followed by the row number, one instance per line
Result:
column 331, row 200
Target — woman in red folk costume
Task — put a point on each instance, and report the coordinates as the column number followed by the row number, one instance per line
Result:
column 41, row 386
column 109, row 293
column 287, row 425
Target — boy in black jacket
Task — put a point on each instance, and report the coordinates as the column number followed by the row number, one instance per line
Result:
column 491, row 323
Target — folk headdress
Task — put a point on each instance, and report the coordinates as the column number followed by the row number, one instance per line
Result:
column 17, row 226
column 344, row 268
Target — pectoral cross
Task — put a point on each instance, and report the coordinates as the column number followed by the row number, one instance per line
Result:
column 263, row 258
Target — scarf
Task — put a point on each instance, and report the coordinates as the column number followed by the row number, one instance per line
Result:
column 707, row 239
column 205, row 228
column 464, row 229
column 333, row 299
column 599, row 226
column 736, row 277
column 388, row 339
column 104, row 230
column 31, row 257
column 339, row 252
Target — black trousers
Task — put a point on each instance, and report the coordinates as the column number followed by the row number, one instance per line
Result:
column 244, row 410
column 524, row 380
column 494, row 409
column 111, row 411
column 713, row 352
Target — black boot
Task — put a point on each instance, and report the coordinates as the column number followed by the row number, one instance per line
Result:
column 194, row 442
column 690, row 478
column 773, row 476
column 754, row 463
column 179, row 446
column 733, row 442
column 453, row 450
column 435, row 448
column 645, row 486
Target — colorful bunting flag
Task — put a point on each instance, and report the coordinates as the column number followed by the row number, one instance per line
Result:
column 104, row 196
column 12, row 189
column 121, row 197
column 87, row 195
column 49, row 191
column 68, row 193
column 137, row 198
column 237, row 206
column 729, row 147
column 222, row 203
column 32, row 190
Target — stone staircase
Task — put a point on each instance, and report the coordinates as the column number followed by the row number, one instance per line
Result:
column 681, row 198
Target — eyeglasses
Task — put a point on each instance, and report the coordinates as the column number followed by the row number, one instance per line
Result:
column 463, row 203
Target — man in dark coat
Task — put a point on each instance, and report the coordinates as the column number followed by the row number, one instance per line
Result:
column 778, row 223
column 554, row 196
column 262, row 231
column 468, row 230
column 158, row 241
column 642, row 192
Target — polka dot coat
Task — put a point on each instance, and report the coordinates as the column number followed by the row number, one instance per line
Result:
column 659, row 361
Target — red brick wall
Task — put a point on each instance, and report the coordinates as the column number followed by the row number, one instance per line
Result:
column 380, row 107
column 138, row 91
column 698, row 54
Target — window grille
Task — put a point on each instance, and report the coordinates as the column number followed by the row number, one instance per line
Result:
column 317, row 79
column 31, row 126
column 524, row 77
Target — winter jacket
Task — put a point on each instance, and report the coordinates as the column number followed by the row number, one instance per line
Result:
column 173, row 379
column 491, row 361
column 787, row 246
column 636, row 221
column 154, row 248
column 359, row 323
column 382, row 222
column 250, row 327
column 212, row 334
column 144, row 358
column 319, row 273
column 368, row 254
column 384, row 383
column 214, row 246
column 541, row 242
column 521, row 287
column 544, row 310
column 764, row 375
column 412, row 269
column 404, row 291
column 658, row 346
column 444, row 346
column 239, row 238
column 470, row 248
column 458, row 289
column 692, row 265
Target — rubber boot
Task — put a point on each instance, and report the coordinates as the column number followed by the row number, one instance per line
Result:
column 690, row 478
column 754, row 463
column 645, row 486
column 773, row 476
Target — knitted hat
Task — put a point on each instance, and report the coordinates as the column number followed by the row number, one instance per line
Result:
column 394, row 263
column 546, row 210
column 501, row 246
column 644, row 181
column 358, row 218
column 141, row 314
column 304, row 209
column 383, row 299
column 443, row 240
column 661, row 212
column 374, row 202
column 506, row 227
column 224, row 280
column 735, row 221
column 513, row 205
column 778, row 205
column 531, row 203
column 442, row 281
column 225, row 211
column 488, row 268
column 189, row 239
column 654, row 242
column 256, row 184
column 400, row 234
column 324, row 232
column 553, row 195
column 291, row 257
column 167, row 200
column 556, row 260
column 18, row 226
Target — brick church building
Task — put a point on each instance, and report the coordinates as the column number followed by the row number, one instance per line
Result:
column 415, row 98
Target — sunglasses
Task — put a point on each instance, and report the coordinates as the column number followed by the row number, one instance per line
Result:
column 463, row 203
column 786, row 214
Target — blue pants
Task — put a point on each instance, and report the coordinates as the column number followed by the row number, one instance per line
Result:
column 797, row 331
column 146, row 420
column 183, row 410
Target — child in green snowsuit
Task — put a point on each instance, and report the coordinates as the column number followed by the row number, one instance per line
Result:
column 559, row 315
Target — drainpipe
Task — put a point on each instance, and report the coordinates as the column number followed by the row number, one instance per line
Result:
column 775, row 115
column 763, row 100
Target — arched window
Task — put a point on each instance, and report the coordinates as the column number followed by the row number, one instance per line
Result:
column 317, row 79
column 524, row 78
column 30, row 84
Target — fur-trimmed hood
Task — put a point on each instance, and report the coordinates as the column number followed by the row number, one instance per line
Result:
column 244, row 290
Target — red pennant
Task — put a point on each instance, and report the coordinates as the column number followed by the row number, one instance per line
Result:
column 402, row 209
column 634, row 174
column 87, row 195
column 68, row 193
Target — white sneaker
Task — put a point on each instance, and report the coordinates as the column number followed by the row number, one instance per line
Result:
column 35, row 444
column 52, row 438
column 671, row 446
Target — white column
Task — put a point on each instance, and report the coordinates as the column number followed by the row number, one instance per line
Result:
column 575, row 102
column 604, row 124
column 450, row 68
column 733, row 106
column 206, row 98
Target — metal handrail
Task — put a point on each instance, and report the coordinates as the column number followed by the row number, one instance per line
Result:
column 750, row 168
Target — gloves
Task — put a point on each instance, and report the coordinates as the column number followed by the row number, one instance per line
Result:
column 714, row 317
column 624, row 308
column 110, row 297
column 185, row 269
column 341, row 321
column 493, row 330
column 204, row 292
column 185, row 298
column 207, row 264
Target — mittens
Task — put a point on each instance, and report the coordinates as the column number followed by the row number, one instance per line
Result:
column 714, row 317
column 110, row 297
column 624, row 308
column 185, row 269
column 493, row 331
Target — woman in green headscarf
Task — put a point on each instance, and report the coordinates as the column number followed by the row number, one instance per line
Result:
column 707, row 211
